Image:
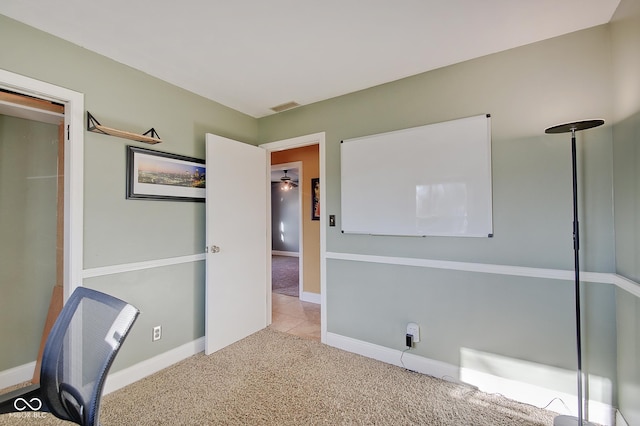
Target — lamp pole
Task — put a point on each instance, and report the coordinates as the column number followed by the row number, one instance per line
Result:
column 576, row 262
column 564, row 128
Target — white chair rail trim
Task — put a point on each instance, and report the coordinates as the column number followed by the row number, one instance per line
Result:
column 522, row 271
column 137, row 266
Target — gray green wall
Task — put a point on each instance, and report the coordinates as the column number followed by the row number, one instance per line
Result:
column 119, row 231
column 527, row 319
column 525, row 90
column 626, row 156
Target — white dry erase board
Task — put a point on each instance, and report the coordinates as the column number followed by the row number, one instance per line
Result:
column 432, row 180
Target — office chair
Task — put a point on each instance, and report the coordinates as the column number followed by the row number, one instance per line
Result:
column 76, row 359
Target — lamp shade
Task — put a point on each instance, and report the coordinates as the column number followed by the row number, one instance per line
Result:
column 574, row 126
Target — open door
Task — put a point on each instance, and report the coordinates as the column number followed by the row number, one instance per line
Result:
column 236, row 239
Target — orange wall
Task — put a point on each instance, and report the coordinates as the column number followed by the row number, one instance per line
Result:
column 309, row 155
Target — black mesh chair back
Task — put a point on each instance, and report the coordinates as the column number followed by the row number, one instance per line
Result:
column 77, row 356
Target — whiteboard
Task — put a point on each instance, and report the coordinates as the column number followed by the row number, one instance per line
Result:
column 432, row 180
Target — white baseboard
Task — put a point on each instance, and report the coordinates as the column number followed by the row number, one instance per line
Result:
column 519, row 391
column 620, row 421
column 149, row 366
column 285, row 253
column 15, row 375
column 554, row 400
column 527, row 393
column 311, row 297
column 396, row 357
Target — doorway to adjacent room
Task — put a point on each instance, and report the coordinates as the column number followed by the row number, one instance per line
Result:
column 296, row 249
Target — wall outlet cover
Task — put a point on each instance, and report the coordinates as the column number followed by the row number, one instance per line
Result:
column 414, row 330
column 157, row 333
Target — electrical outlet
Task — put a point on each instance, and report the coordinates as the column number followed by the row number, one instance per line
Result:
column 157, row 333
column 413, row 330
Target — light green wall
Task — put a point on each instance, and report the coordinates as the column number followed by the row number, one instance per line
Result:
column 626, row 57
column 626, row 154
column 28, row 190
column 120, row 231
column 525, row 90
column 171, row 296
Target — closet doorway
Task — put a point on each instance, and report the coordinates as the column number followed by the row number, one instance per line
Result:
column 31, row 225
column 16, row 364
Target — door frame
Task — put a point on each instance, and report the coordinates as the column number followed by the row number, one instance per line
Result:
column 282, row 145
column 73, row 167
column 297, row 165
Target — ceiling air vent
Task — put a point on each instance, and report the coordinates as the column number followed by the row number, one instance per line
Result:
column 285, row 106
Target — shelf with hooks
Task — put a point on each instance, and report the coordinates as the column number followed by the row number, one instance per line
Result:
column 150, row 136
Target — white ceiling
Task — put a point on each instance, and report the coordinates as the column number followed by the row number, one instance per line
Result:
column 253, row 55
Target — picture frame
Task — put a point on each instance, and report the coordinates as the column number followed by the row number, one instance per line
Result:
column 156, row 175
column 315, row 199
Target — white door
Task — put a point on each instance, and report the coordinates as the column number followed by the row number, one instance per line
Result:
column 236, row 238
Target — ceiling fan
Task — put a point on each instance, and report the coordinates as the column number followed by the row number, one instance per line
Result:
column 287, row 183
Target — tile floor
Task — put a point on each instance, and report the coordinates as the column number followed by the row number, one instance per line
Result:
column 291, row 315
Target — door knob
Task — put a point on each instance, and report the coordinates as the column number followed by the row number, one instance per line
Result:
column 215, row 249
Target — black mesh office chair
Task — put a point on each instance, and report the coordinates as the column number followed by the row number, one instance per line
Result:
column 76, row 359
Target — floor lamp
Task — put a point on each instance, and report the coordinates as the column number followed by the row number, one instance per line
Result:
column 573, row 128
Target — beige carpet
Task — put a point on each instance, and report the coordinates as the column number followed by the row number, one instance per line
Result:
column 273, row 378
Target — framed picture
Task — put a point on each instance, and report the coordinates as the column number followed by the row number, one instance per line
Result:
column 315, row 199
column 155, row 175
